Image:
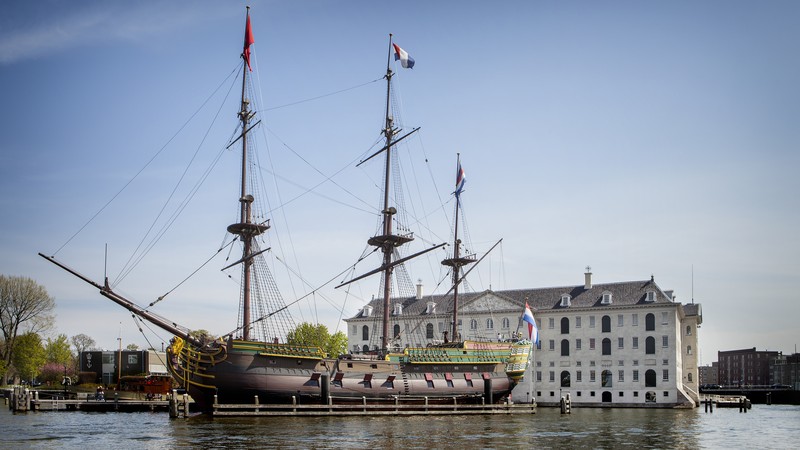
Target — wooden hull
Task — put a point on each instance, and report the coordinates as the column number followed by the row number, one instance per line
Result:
column 238, row 372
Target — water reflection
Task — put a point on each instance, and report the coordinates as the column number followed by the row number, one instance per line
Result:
column 763, row 427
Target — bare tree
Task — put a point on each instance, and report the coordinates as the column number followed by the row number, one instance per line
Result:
column 25, row 307
column 82, row 343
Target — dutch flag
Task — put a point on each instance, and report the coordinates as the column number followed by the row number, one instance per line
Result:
column 461, row 179
column 406, row 61
column 533, row 331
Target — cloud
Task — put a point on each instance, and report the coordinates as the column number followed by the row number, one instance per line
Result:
column 29, row 35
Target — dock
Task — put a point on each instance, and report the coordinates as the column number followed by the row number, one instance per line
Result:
column 398, row 406
column 23, row 400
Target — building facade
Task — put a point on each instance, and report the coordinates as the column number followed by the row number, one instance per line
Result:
column 103, row 367
column 785, row 371
column 746, row 367
column 613, row 344
column 709, row 374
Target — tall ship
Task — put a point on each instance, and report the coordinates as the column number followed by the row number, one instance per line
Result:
column 256, row 361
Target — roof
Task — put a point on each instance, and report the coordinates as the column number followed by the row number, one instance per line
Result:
column 626, row 293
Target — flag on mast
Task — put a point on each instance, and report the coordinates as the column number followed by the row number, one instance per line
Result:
column 533, row 330
column 399, row 54
column 248, row 41
column 461, row 179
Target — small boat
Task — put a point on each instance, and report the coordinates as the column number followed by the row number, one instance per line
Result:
column 256, row 361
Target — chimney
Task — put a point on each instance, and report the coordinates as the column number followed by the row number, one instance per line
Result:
column 419, row 289
column 588, row 278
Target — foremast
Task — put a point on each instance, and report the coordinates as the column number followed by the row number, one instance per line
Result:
column 457, row 261
column 245, row 228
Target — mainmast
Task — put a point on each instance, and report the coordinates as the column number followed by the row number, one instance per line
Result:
column 388, row 241
column 457, row 261
column 245, row 228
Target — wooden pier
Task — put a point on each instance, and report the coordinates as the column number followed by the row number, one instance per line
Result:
column 399, row 406
column 23, row 400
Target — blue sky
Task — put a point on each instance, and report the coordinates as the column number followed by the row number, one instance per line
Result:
column 641, row 138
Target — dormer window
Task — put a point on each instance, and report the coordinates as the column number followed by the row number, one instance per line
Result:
column 651, row 296
column 566, row 300
column 367, row 311
column 606, row 298
column 431, row 308
column 398, row 309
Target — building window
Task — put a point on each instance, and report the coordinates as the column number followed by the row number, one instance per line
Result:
column 578, row 322
column 365, row 333
column 650, row 345
column 606, row 298
column 620, row 342
column 651, row 296
column 539, row 376
column 689, row 377
column 635, row 342
column 592, row 376
column 473, row 325
column 664, row 318
column 564, row 325
column 565, row 381
column 621, row 376
column 398, row 309
column 552, row 376
column 396, row 330
column 635, row 320
column 591, row 363
column 665, row 362
column 506, row 323
column 688, row 349
column 591, row 343
column 665, row 341
column 431, row 308
column 635, row 362
column 429, row 331
column 650, row 322
column 578, row 376
column 650, row 378
column 564, row 347
column 552, row 345
column 551, row 323
column 355, row 330
column 577, row 344
column 688, row 330
column 566, row 301
column 606, row 324
column 489, row 324
column 636, row 375
column 606, row 346
column 591, row 321
column 606, row 380
column 620, row 320
column 665, row 375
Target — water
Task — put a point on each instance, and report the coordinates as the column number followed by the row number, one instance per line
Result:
column 762, row 427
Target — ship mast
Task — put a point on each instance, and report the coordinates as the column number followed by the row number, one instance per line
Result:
column 457, row 261
column 245, row 228
column 388, row 241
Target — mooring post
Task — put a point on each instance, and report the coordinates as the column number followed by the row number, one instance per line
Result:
column 364, row 402
column 325, row 387
column 185, row 406
column 487, row 390
column 256, row 400
column 426, row 403
column 294, row 404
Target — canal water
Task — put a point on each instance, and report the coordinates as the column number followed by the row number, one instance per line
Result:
column 774, row 426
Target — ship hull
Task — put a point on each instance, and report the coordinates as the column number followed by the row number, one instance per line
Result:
column 239, row 373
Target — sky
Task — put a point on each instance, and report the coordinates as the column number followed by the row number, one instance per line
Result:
column 639, row 138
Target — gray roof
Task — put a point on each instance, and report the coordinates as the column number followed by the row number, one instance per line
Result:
column 625, row 293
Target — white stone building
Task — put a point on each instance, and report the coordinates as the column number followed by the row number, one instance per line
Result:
column 614, row 344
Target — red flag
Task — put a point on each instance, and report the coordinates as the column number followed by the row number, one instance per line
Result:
column 248, row 40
